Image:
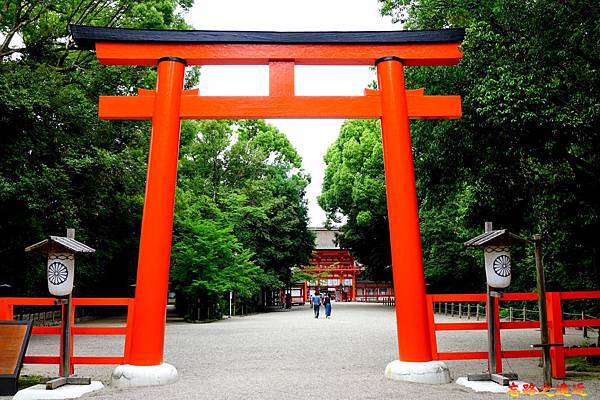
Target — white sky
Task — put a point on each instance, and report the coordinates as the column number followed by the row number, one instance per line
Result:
column 310, row 137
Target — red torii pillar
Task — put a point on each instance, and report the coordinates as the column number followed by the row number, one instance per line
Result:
column 403, row 215
column 412, row 321
column 169, row 103
column 157, row 217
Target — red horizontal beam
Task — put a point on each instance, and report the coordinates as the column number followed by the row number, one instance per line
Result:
column 581, row 322
column 75, row 360
column 472, row 326
column 462, row 355
column 519, row 296
column 113, row 53
column 245, row 107
column 101, row 301
column 591, row 294
column 80, row 330
column 41, row 359
column 336, row 270
column 77, row 301
column 512, row 296
column 99, row 330
column 482, row 355
column 28, row 301
column 45, row 330
column 460, row 326
column 98, row 360
column 467, row 297
column 519, row 325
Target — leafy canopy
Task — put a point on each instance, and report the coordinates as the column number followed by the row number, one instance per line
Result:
column 525, row 153
column 241, row 217
column 60, row 166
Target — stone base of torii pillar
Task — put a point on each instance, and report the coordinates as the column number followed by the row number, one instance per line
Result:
column 432, row 372
column 125, row 376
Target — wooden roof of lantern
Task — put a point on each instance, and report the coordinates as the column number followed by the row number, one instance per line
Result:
column 501, row 237
column 60, row 244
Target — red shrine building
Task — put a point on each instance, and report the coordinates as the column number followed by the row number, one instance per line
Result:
column 334, row 269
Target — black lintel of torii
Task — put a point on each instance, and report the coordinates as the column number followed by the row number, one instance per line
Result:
column 86, row 36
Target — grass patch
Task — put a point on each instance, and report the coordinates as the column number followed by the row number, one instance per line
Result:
column 580, row 364
column 26, row 381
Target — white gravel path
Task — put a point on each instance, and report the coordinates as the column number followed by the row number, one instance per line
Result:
column 291, row 355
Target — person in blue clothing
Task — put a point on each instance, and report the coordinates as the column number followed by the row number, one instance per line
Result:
column 316, row 303
column 327, row 303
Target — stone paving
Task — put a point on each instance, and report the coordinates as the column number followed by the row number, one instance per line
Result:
column 291, row 355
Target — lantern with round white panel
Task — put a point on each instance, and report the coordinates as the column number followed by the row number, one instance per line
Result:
column 60, row 271
column 60, row 274
column 497, row 266
column 496, row 253
column 498, row 271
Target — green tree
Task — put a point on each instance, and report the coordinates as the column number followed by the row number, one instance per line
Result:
column 354, row 190
column 209, row 261
column 59, row 165
column 241, row 181
column 525, row 154
column 271, row 215
column 528, row 144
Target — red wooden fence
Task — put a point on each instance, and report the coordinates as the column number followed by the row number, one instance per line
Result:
column 556, row 323
column 6, row 312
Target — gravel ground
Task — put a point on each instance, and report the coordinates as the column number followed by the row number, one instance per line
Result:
column 290, row 355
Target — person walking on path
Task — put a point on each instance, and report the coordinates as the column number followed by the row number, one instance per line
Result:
column 327, row 303
column 316, row 303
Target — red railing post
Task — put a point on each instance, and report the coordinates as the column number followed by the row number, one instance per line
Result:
column 432, row 335
column 7, row 304
column 555, row 328
column 61, row 341
column 305, row 292
column 6, row 310
column 71, row 339
column 128, row 330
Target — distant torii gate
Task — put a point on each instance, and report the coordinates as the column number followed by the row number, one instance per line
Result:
column 281, row 51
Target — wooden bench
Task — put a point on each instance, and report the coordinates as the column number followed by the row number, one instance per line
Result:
column 14, row 338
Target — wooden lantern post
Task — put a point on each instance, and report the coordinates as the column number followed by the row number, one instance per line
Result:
column 495, row 244
column 60, row 275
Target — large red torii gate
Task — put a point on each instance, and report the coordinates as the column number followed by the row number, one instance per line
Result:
column 389, row 51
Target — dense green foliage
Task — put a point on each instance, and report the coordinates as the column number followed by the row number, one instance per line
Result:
column 354, row 187
column 60, row 166
column 525, row 154
column 241, row 217
column 240, row 221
